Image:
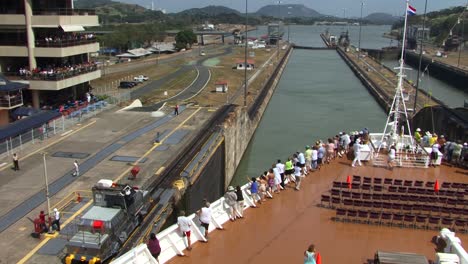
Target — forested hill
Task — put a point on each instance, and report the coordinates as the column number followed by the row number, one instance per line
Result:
column 441, row 23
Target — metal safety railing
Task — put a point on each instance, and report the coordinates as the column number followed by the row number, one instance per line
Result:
column 37, row 135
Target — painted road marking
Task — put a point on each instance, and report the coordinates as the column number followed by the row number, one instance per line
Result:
column 66, row 133
column 55, row 142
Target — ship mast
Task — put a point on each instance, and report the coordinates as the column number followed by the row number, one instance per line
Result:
column 398, row 109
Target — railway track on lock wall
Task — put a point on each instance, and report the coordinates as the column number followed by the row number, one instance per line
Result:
column 172, row 173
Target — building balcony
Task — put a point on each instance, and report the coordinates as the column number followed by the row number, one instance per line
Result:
column 65, row 48
column 58, row 80
column 56, row 17
column 49, row 49
column 10, row 100
column 64, row 12
column 13, row 19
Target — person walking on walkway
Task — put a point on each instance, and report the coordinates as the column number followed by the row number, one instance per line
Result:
column 230, row 198
column 77, row 169
column 56, row 221
column 204, row 214
column 153, row 246
column 15, row 162
column 184, row 226
column 176, row 110
column 357, row 153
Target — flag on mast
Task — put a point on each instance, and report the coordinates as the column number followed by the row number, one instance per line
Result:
column 411, row 10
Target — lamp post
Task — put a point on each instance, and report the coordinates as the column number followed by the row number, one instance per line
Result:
column 245, row 54
column 360, row 30
column 46, row 182
column 462, row 36
column 289, row 21
column 420, row 59
column 278, row 36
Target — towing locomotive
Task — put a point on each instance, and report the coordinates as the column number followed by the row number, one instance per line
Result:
column 116, row 212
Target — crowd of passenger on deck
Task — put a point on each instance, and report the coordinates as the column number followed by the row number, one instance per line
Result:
column 300, row 164
column 454, row 152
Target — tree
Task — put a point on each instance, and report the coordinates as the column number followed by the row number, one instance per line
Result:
column 185, row 39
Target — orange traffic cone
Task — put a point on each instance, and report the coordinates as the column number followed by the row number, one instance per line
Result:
column 348, row 180
column 78, row 197
column 436, row 186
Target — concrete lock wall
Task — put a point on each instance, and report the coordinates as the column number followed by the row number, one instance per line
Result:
column 239, row 127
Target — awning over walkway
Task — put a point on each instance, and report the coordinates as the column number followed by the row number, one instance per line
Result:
column 7, row 86
column 24, row 125
column 72, row 28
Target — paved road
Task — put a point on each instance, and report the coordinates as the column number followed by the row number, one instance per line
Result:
column 154, row 85
column 192, row 90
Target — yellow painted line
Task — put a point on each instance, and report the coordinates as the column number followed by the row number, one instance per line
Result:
column 55, row 142
column 45, row 240
column 160, row 170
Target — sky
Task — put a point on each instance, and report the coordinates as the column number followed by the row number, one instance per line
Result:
column 327, row 7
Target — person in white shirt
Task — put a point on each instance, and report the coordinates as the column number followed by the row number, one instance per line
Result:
column 302, row 162
column 77, row 169
column 204, row 214
column 391, row 157
column 357, row 152
column 434, row 154
column 298, row 176
column 314, row 158
column 281, row 170
column 56, row 221
column 277, row 178
column 185, row 227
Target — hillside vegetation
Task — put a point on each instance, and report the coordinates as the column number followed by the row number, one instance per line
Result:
column 115, row 12
column 441, row 23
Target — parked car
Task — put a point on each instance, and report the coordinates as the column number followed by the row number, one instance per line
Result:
column 140, row 78
column 126, row 85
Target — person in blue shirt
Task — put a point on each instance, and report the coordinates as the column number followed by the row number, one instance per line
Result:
column 254, row 191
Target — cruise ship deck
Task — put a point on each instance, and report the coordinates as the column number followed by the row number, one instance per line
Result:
column 281, row 229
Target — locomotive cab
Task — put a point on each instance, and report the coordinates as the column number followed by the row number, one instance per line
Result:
column 104, row 228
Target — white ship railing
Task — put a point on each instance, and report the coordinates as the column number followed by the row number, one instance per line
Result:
column 406, row 157
column 453, row 245
column 137, row 255
column 173, row 243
